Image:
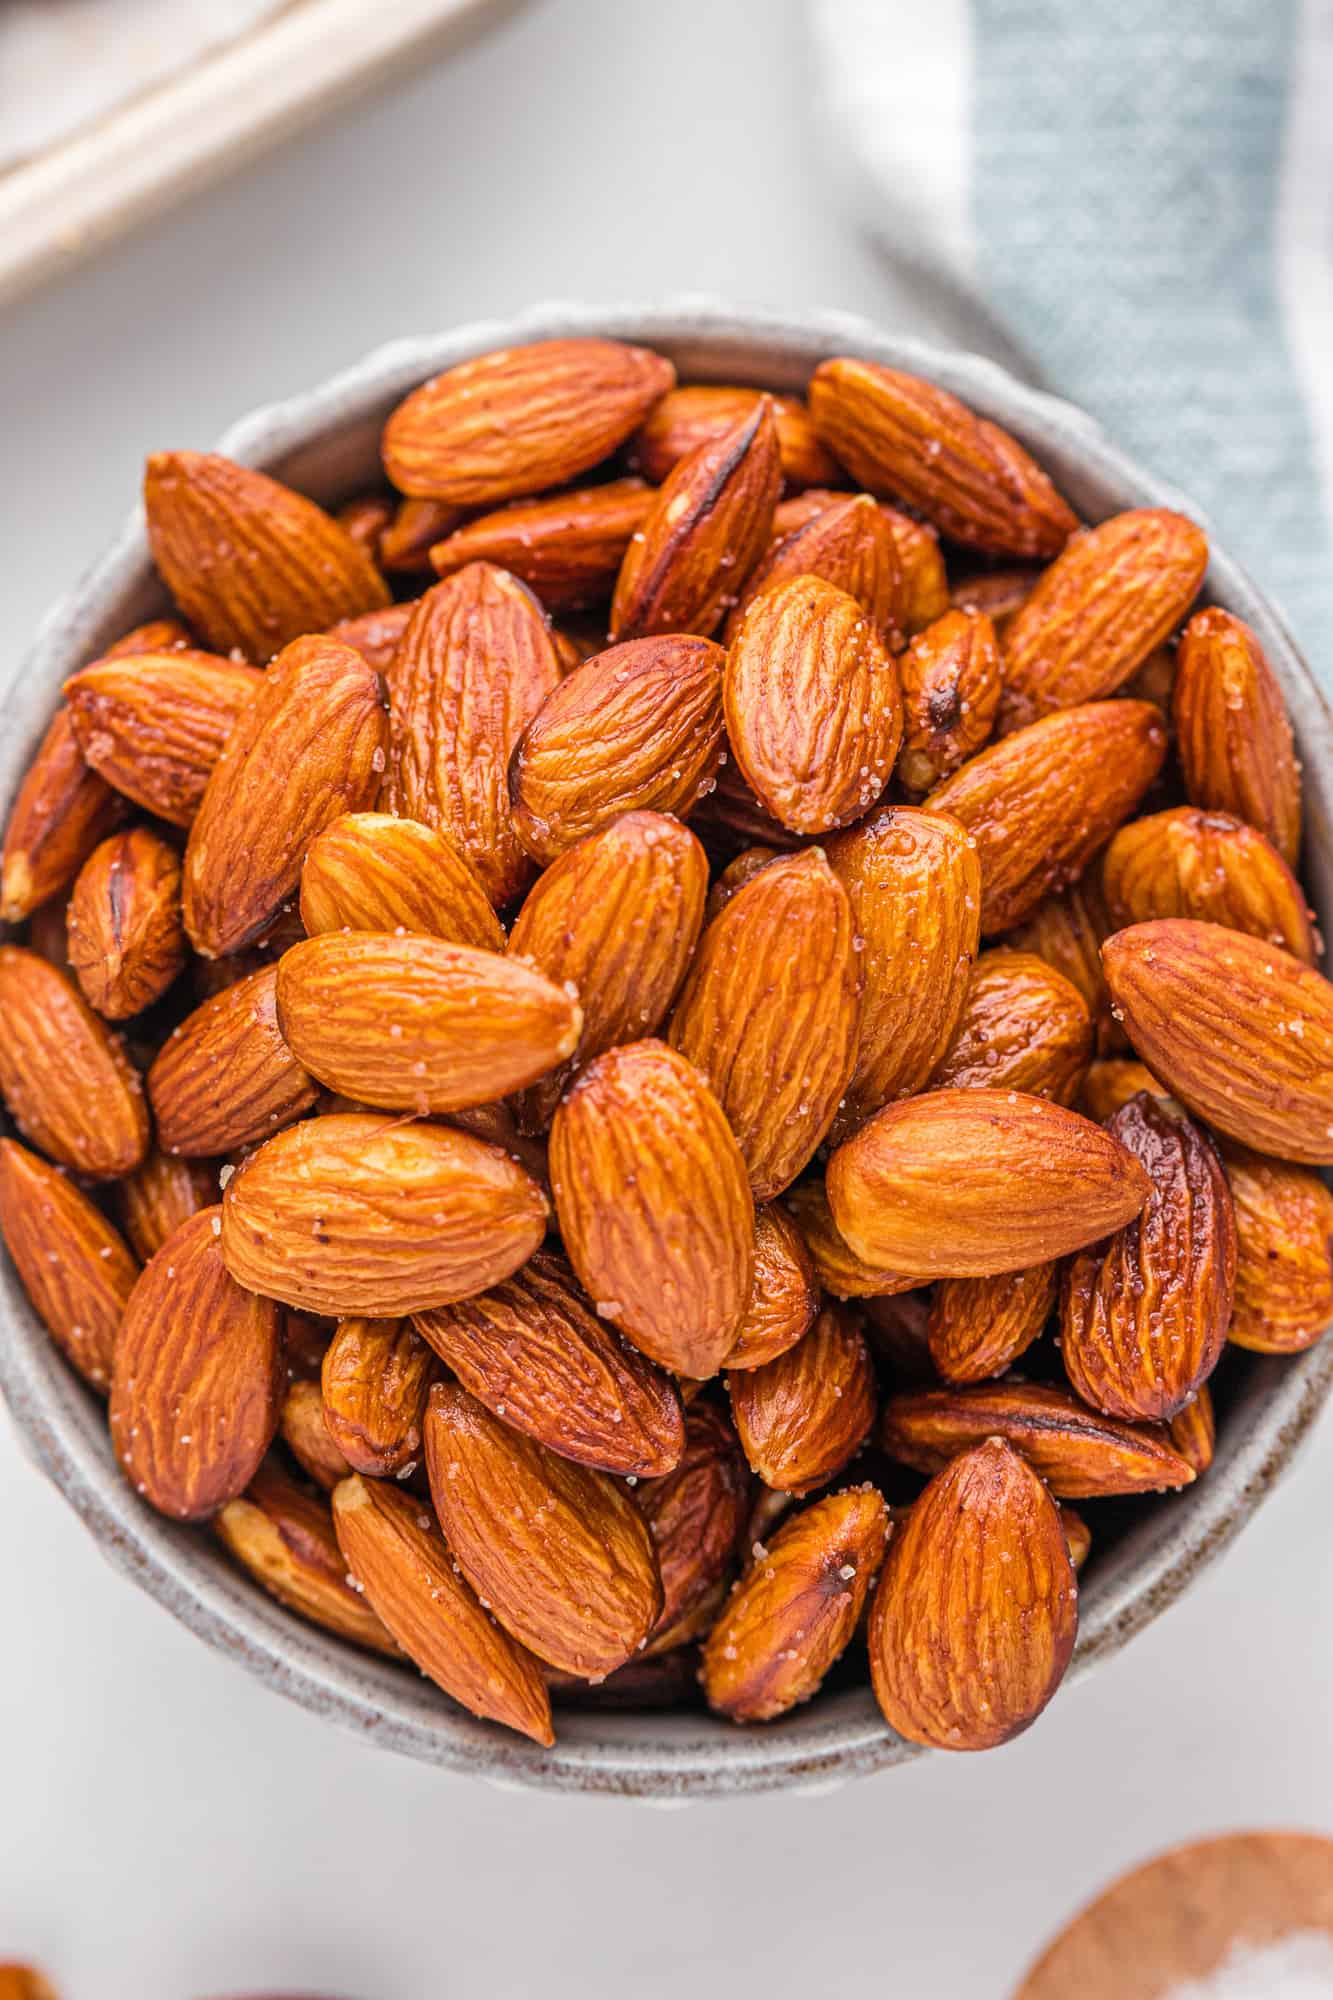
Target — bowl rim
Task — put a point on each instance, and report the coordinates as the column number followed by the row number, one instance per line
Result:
column 670, row 1757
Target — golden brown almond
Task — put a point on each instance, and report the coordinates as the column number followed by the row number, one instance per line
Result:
column 251, row 564
column 1081, row 1454
column 375, row 1380
column 1143, row 1316
column 360, row 1213
column 687, row 418
column 371, row 872
column 1240, row 1031
column 974, row 1619
column 775, row 1034
column 365, row 517
column 915, row 889
column 412, row 532
column 1284, row 1262
column 951, row 691
column 696, row 1515
column 64, row 1078
column 1042, row 801
column 307, row 1436
column 567, row 547
column 839, row 1270
column 812, row 703
column 197, row 1379
column 654, row 1206
column 979, row 1326
column 999, row 593
column 907, row 439
column 638, row 727
column 161, row 1193
column 309, row 747
column 419, row 1024
column 533, row 1351
column 1096, row 614
column 1068, row 931
column 158, row 635
column 962, row 1183
column 558, row 1551
column 126, row 940
column 1024, row 1026
column 521, row 419
column 76, row 1269
column 1210, row 866
column 285, row 1539
column 785, row 1295
column 1193, row 1431
column 616, row 918
column 411, row 1581
column 1111, row 1083
column 804, row 1415
column 153, row 724
column 376, row 635
column 225, row 1078
column 848, row 544
column 63, row 808
column 474, row 667
column 796, row 1608
column 1232, row 731
column 708, row 527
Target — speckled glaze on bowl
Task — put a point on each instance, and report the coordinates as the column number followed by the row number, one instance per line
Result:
column 325, row 443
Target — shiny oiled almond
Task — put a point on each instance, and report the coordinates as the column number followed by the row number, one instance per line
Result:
column 567, row 547
column 775, row 1032
column 1081, row 1454
column 64, row 1078
column 951, row 690
column 307, row 1436
column 802, row 1417
column 76, row 1269
column 848, row 544
column 839, row 1270
column 796, row 1608
column 533, row 1351
column 372, row 872
column 785, row 1295
column 696, row 1515
column 375, row 1380
column 558, row 1551
column 411, row 1581
column 1023, row 1026
column 359, row 1213
column 1193, row 1433
column 1111, row 1083
column 1232, row 731
column 284, row 1537
column 63, row 808
column 979, row 1326
column 976, row 1611
column 686, row 418
column 197, row 1379
column 126, row 940
column 226, row 1078
column 1284, row 1262
column 153, row 724
column 1068, row 931
column 1209, row 866
column 161, row 1193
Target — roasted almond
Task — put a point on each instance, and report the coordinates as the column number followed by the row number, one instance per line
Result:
column 687, row 418
column 1023, row 1026
column 284, row 1537
column 226, row 1078
column 1068, row 931
column 1111, row 1083
column 1284, row 1262
column 414, row 528
column 64, row 1078
column 371, row 872
column 1193, row 1433
column 999, row 593
column 897, row 1333
column 375, row 1380
column 307, row 1436
column 804, row 1415
column 848, row 544
column 567, row 547
column 62, row 810
column 951, row 690
column 696, row 1515
column 376, row 635
column 1209, row 866
column 785, row 1295
column 1081, row 1454
column 1232, row 731
column 979, row 1326
column 126, row 940
column 161, row 1193
column 366, row 517
column 840, row 1271
column 76, row 1269
column 153, row 724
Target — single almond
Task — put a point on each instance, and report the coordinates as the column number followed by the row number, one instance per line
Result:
column 1081, row 1454
column 696, row 1515
column 1284, row 1260
column 375, row 1380
column 307, row 1436
column 226, row 1078
column 1068, row 931
column 785, row 1295
column 567, row 547
column 979, row 1326
column 153, row 724
column 162, row 1192
column 1209, row 866
column 62, row 809
column 951, row 691
column 76, row 1269
column 1023, row 1026
column 126, row 940
column 284, row 1538
column 1232, row 731
column 804, row 1415
column 686, row 418
column 850, row 545
column 840, row 1271
column 64, row 1078
column 371, row 872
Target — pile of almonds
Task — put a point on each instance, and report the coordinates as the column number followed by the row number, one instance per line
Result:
column 519, row 1118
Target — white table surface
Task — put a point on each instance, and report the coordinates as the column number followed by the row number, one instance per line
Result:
column 167, row 1829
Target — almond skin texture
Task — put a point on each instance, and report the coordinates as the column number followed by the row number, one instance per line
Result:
column 1081, row 1454
column 197, row 1380
column 976, row 1612
column 284, row 1537
column 376, row 1378
column 803, row 1416
column 225, row 1078
column 696, row 1515
column 654, row 1207
column 521, row 419
column 1284, row 1263
column 251, row 564
column 567, row 547
column 64, row 1078
column 307, row 1436
column 559, row 1551
column 126, row 941
column 961, row 1183
column 1041, row 802
column 1193, row 1433
column 76, row 1269
column 411, row 1581
column 708, row 528
column 1068, row 931
column 474, row 667
column 951, row 691
column 533, row 1351
column 812, row 703
column 359, row 1213
column 1239, row 1031
column 153, row 724
column 62, row 810
column 839, row 1270
column 371, row 872
column 1143, row 1316
column 159, row 1195
column 1023, row 1027
column 795, row 1610
column 1097, row 613
column 914, row 883
column 979, row 1326
column 309, row 747
column 785, row 1297
column 638, row 727
column 417, row 1024
column 850, row 545
column 687, row 418
column 376, row 635
column 1209, row 866
column 616, row 917
column 909, row 440
column 1232, row 731
column 776, row 1034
